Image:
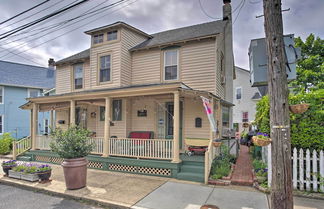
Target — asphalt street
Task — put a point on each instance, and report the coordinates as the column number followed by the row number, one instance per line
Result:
column 16, row 198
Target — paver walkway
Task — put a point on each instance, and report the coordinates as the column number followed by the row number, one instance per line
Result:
column 242, row 174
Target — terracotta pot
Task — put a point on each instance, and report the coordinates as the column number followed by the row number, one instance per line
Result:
column 44, row 176
column 75, row 172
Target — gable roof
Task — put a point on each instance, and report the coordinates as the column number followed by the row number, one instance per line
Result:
column 76, row 57
column 181, row 34
column 162, row 38
column 16, row 74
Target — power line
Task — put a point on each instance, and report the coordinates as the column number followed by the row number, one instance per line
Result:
column 30, row 59
column 80, row 26
column 35, row 13
column 239, row 11
column 17, row 15
column 204, row 11
column 9, row 33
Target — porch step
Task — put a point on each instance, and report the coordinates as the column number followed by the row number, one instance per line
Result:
column 192, row 169
column 24, row 158
column 189, row 176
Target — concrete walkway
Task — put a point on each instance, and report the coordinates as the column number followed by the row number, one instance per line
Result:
column 120, row 190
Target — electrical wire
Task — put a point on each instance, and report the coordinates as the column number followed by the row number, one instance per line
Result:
column 7, row 34
column 17, row 15
column 204, row 11
column 78, row 27
column 28, row 59
column 239, row 12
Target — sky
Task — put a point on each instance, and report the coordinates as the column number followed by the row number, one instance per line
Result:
column 44, row 41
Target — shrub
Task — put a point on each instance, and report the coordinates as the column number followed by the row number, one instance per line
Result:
column 258, row 165
column 72, row 143
column 5, row 143
column 307, row 129
column 221, row 165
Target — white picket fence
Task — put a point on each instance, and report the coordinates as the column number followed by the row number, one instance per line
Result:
column 307, row 169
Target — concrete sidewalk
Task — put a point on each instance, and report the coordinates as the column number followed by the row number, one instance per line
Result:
column 120, row 190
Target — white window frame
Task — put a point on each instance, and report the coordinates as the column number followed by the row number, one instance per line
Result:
column 164, row 56
column 2, row 94
column 74, row 66
column 2, row 125
column 39, row 92
column 99, row 68
column 236, row 92
column 245, row 118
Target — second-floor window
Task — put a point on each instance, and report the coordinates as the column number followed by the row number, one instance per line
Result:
column 112, row 35
column 98, row 38
column 171, row 66
column 238, row 93
column 105, row 68
column 225, row 116
column 33, row 93
column 1, row 94
column 78, row 76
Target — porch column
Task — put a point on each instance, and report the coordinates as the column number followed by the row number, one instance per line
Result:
column 52, row 120
column 72, row 112
column 176, row 127
column 34, row 125
column 211, row 134
column 219, row 120
column 107, row 128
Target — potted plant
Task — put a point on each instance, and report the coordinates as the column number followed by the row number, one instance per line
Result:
column 8, row 165
column 217, row 142
column 72, row 145
column 25, row 171
column 299, row 108
column 261, row 139
column 44, row 172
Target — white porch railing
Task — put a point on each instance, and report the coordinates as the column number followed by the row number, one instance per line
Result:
column 98, row 145
column 141, row 148
column 43, row 142
column 21, row 146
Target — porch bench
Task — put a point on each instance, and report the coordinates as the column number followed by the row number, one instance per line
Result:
column 138, row 146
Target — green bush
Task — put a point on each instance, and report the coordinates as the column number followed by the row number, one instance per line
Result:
column 259, row 165
column 5, row 143
column 72, row 143
column 307, row 129
column 221, row 165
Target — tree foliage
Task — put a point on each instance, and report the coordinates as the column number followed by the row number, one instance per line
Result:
column 310, row 68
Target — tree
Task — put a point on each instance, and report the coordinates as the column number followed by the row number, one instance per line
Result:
column 310, row 68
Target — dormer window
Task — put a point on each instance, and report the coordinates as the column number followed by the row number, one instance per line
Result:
column 112, row 35
column 98, row 38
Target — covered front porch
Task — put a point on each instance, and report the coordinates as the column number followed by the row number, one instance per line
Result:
column 144, row 123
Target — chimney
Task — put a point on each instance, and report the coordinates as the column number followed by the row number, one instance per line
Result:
column 227, row 10
column 51, row 63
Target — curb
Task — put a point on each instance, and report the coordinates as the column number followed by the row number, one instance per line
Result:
column 317, row 196
column 69, row 196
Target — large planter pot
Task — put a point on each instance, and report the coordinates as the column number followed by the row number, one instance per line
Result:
column 7, row 168
column 44, row 176
column 75, row 172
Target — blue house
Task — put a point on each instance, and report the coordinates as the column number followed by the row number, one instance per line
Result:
column 18, row 82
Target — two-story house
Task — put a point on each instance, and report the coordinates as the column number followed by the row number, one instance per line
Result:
column 18, row 82
column 140, row 95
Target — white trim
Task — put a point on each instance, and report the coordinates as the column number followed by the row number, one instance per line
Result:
column 177, row 50
column 2, row 120
column 2, row 89
column 236, row 92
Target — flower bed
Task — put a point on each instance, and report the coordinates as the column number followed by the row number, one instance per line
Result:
column 260, row 175
column 30, row 171
column 8, row 165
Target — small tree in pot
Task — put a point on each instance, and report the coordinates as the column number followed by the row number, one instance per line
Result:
column 73, row 146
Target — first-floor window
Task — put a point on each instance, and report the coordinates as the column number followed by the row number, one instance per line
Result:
column 245, row 117
column 105, row 68
column 46, row 126
column 117, row 110
column 171, row 65
column 1, row 124
column 225, row 116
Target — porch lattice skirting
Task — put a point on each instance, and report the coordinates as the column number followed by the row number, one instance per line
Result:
column 127, row 165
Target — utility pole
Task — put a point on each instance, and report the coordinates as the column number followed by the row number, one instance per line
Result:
column 281, row 184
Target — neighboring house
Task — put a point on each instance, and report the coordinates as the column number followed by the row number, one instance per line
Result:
column 18, row 82
column 132, row 85
column 245, row 99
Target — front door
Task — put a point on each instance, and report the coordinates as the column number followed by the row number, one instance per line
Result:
column 169, row 121
column 81, row 117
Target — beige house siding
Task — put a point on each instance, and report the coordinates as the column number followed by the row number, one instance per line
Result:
column 86, row 74
column 198, row 65
column 193, row 109
column 63, row 114
column 220, row 88
column 63, row 79
column 129, row 40
column 114, row 50
column 146, row 67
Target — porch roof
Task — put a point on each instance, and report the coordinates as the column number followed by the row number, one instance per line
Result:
column 127, row 91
